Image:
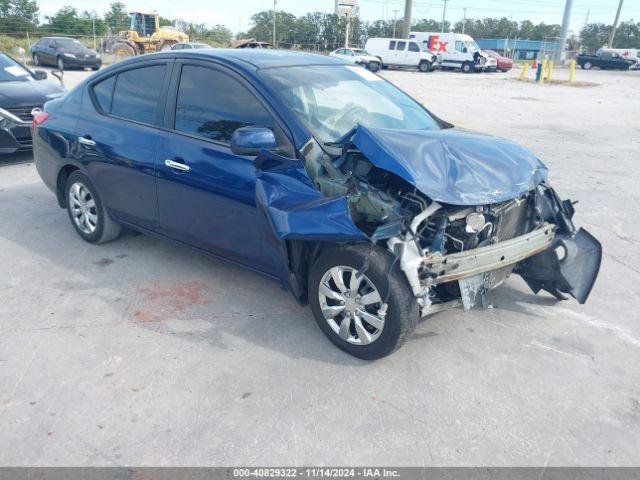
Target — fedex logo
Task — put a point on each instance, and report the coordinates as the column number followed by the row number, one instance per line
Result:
column 436, row 45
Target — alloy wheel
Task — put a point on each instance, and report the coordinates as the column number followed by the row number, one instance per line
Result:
column 352, row 306
column 83, row 208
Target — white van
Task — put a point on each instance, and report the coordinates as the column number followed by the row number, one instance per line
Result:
column 457, row 50
column 401, row 53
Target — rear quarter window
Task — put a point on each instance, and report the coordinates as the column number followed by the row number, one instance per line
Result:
column 103, row 93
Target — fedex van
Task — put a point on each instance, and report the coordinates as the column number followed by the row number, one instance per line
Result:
column 457, row 50
column 399, row 52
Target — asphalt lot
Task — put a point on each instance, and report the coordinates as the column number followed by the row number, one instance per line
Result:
column 139, row 353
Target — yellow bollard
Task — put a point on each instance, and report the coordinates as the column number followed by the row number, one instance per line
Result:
column 543, row 70
column 572, row 71
column 549, row 70
column 524, row 71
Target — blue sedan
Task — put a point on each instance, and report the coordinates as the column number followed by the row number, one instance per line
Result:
column 319, row 175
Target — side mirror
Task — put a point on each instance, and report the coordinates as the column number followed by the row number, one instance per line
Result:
column 249, row 141
column 39, row 74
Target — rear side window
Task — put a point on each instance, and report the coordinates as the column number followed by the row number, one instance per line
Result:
column 137, row 93
column 413, row 47
column 103, row 92
column 392, row 45
column 213, row 105
column 401, row 46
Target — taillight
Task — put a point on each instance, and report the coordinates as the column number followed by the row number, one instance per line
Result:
column 39, row 118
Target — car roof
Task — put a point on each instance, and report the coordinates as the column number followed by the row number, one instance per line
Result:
column 258, row 57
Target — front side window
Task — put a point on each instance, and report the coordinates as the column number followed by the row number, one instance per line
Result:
column 459, row 46
column 331, row 100
column 212, row 104
column 137, row 93
column 413, row 47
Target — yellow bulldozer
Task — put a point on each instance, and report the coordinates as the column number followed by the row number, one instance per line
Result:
column 145, row 35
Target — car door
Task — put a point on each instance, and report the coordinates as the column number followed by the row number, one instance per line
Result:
column 206, row 193
column 401, row 53
column 413, row 54
column 117, row 139
column 49, row 53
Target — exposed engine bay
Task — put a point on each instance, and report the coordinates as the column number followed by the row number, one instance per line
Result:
column 451, row 254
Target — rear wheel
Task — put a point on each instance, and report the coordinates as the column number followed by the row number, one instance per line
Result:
column 60, row 63
column 36, row 59
column 86, row 211
column 368, row 314
column 467, row 67
column 587, row 66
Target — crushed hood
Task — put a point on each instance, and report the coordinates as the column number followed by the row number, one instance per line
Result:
column 453, row 166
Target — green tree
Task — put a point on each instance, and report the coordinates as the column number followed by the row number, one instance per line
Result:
column 18, row 16
column 67, row 21
column 116, row 18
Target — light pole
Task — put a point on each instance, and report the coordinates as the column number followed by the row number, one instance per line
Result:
column 566, row 19
column 408, row 9
column 346, row 33
column 615, row 25
column 395, row 21
column 444, row 15
column 274, row 22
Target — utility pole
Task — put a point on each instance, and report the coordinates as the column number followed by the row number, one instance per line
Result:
column 444, row 15
column 274, row 22
column 408, row 9
column 346, row 33
column 395, row 21
column 615, row 25
column 464, row 18
column 566, row 19
column 586, row 19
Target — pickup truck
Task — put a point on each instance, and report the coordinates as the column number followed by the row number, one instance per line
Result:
column 604, row 60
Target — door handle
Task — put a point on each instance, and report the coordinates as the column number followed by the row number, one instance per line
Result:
column 177, row 165
column 86, row 141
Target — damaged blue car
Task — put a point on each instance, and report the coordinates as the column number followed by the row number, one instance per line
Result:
column 317, row 174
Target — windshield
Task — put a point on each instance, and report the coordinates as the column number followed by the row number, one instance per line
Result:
column 471, row 46
column 12, row 71
column 69, row 44
column 331, row 100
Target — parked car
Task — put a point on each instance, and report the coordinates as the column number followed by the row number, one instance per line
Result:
column 605, row 61
column 64, row 53
column 249, row 43
column 456, row 50
column 491, row 65
column 317, row 174
column 503, row 64
column 21, row 91
column 401, row 53
column 189, row 46
column 358, row 56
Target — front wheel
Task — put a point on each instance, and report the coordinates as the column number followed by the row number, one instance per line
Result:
column 374, row 66
column 362, row 301
column 424, row 67
column 467, row 67
column 86, row 211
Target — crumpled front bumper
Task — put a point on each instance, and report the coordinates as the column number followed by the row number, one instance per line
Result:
column 546, row 259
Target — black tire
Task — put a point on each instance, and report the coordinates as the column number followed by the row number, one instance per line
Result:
column 467, row 67
column 60, row 63
column 95, row 68
column 106, row 229
column 403, row 311
column 587, row 66
column 374, row 66
column 36, row 59
column 424, row 66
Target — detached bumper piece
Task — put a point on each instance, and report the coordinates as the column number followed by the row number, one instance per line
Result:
column 570, row 267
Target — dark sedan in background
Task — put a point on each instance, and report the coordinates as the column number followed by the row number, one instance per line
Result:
column 21, row 90
column 64, row 53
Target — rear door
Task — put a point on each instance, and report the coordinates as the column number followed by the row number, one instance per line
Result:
column 208, row 199
column 118, row 142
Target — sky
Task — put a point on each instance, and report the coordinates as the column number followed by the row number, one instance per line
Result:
column 236, row 14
